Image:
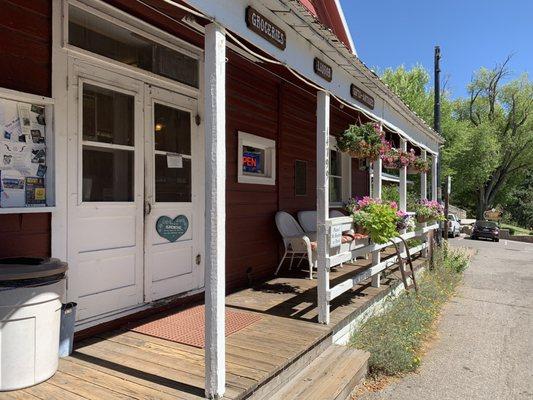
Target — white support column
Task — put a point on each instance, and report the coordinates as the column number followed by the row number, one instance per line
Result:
column 403, row 180
column 376, row 194
column 424, row 180
column 434, row 182
column 424, row 196
column 403, row 189
column 322, row 201
column 215, row 210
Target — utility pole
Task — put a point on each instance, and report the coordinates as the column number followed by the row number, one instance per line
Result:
column 436, row 126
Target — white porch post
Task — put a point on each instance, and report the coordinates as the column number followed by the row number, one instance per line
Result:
column 434, row 183
column 377, row 168
column 322, row 201
column 424, row 196
column 215, row 209
column 424, row 180
column 403, row 180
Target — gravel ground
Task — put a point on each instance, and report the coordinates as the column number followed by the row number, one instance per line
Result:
column 484, row 344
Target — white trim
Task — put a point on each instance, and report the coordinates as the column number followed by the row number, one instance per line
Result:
column 215, row 210
column 269, row 147
column 126, row 21
column 322, row 201
column 345, row 25
column 16, row 95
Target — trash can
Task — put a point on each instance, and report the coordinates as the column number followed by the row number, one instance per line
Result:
column 31, row 290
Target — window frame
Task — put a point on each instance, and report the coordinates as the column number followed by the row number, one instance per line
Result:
column 124, row 20
column 346, row 173
column 269, row 147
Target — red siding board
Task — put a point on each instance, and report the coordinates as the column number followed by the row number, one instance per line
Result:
column 25, row 50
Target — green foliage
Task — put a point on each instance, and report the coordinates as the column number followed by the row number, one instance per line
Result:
column 395, row 338
column 363, row 141
column 380, row 222
column 489, row 136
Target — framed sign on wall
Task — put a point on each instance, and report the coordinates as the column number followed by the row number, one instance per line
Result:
column 26, row 152
column 257, row 159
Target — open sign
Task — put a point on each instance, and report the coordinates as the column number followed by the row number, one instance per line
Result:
column 253, row 160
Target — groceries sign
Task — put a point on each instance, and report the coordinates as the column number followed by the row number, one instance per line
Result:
column 361, row 96
column 261, row 25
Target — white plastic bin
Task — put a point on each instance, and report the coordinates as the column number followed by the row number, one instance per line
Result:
column 30, row 312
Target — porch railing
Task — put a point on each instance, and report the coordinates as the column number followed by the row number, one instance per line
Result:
column 337, row 255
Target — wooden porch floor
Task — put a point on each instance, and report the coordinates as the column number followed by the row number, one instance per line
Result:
column 126, row 365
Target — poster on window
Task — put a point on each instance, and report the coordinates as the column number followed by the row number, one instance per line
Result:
column 23, row 154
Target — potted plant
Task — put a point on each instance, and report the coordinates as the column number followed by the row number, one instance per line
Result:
column 429, row 210
column 361, row 141
column 378, row 219
column 396, row 159
column 419, row 165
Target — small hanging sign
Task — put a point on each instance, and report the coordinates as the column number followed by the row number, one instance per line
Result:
column 361, row 96
column 172, row 229
column 261, row 25
column 322, row 69
column 174, row 161
column 335, row 237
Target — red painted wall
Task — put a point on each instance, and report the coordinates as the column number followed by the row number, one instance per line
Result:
column 25, row 51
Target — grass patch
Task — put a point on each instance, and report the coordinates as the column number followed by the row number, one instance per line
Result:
column 516, row 230
column 395, row 338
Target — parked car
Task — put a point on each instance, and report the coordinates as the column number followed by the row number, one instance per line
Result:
column 486, row 229
column 454, row 225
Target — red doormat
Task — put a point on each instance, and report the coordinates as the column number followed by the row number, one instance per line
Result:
column 187, row 326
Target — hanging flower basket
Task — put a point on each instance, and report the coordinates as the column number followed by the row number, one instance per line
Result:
column 361, row 141
column 419, row 165
column 396, row 159
column 429, row 211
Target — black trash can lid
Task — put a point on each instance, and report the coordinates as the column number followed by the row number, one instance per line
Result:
column 22, row 268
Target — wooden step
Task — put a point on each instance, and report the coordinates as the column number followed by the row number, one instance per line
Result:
column 331, row 376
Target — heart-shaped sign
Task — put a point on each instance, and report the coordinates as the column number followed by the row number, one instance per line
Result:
column 172, row 229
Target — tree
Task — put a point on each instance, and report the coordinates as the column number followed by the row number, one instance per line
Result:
column 501, row 137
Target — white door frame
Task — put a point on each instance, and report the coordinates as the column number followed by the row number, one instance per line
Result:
column 62, row 52
column 179, row 101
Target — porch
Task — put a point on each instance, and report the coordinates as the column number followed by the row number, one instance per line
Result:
column 124, row 364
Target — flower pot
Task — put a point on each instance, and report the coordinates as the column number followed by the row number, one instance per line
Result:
column 360, row 230
column 421, row 219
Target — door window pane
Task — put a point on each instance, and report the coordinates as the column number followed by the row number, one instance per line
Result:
column 89, row 32
column 107, row 174
column 107, row 116
column 172, row 184
column 172, row 129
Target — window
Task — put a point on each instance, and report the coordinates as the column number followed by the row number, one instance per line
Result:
column 256, row 159
column 300, row 178
column 108, row 145
column 172, row 130
column 335, row 176
column 89, row 32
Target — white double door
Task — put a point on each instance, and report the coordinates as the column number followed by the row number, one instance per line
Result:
column 135, row 180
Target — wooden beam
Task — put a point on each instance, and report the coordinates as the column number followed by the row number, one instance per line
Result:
column 215, row 210
column 322, row 193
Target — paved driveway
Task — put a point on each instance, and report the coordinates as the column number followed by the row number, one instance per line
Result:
column 484, row 348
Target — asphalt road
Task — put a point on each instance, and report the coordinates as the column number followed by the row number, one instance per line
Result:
column 484, row 346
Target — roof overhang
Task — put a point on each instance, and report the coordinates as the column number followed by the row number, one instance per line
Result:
column 307, row 39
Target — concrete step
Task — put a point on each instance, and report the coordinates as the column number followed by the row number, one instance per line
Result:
column 331, row 376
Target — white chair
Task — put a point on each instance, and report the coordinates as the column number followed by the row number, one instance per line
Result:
column 296, row 241
column 307, row 219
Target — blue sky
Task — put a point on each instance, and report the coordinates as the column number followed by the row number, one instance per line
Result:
column 471, row 34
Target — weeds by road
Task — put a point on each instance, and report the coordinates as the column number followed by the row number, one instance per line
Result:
column 396, row 337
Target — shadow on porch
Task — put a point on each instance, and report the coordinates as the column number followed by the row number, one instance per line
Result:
column 123, row 364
